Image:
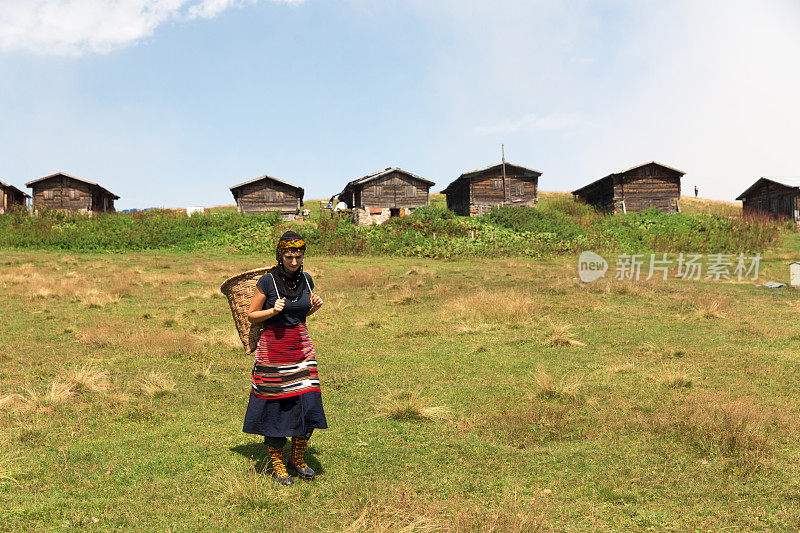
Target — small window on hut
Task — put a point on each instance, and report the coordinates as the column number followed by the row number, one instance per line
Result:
column 73, row 194
column 520, row 189
column 410, row 191
column 497, row 184
column 377, row 190
column 48, row 194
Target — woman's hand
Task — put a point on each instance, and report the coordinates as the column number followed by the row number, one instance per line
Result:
column 316, row 301
column 278, row 307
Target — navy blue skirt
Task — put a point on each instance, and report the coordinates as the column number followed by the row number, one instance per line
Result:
column 285, row 417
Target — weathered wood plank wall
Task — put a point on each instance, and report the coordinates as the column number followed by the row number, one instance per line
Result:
column 394, row 190
column 772, row 199
column 266, row 195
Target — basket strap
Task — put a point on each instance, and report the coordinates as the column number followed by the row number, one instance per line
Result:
column 305, row 276
column 276, row 286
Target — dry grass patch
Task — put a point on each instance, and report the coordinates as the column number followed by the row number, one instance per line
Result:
column 372, row 323
column 737, row 429
column 401, row 512
column 410, row 405
column 143, row 340
column 231, row 340
column 356, row 278
column 709, row 309
column 657, row 351
column 203, row 373
column 11, row 401
column 97, row 299
column 417, row 287
column 404, row 295
column 221, row 338
column 413, row 333
column 7, row 467
column 44, row 293
column 561, row 334
column 116, row 398
column 566, row 388
column 534, row 423
column 156, row 384
column 506, row 307
column 247, row 487
column 203, row 294
column 406, row 512
column 57, row 393
column 622, row 368
column 674, row 378
column 622, row 287
column 121, row 288
column 514, row 514
column 472, row 328
column 89, row 379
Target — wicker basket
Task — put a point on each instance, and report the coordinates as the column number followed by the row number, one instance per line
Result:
column 239, row 291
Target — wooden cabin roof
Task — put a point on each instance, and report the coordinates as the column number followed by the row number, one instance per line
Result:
column 9, row 186
column 266, row 177
column 596, row 182
column 471, row 173
column 114, row 196
column 786, row 181
column 380, row 173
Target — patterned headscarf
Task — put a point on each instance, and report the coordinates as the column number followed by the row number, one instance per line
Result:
column 289, row 283
column 289, row 241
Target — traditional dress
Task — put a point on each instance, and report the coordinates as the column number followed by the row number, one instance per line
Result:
column 285, row 397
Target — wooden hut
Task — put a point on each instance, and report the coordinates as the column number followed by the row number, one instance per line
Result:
column 10, row 196
column 384, row 194
column 474, row 193
column 68, row 193
column 648, row 185
column 776, row 197
column 266, row 194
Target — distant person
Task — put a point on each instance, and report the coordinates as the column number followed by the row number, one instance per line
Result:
column 696, row 190
column 285, row 399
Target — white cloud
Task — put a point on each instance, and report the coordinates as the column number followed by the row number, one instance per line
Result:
column 74, row 27
column 531, row 122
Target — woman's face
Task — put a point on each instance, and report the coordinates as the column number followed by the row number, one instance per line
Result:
column 292, row 260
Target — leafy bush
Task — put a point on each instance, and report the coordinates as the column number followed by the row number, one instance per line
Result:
column 144, row 230
column 557, row 226
column 654, row 230
column 536, row 220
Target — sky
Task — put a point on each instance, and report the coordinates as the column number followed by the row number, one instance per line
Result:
column 169, row 103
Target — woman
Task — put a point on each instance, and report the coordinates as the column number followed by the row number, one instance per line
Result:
column 285, row 400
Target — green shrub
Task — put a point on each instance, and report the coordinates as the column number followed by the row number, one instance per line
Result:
column 654, row 230
column 557, row 226
column 536, row 220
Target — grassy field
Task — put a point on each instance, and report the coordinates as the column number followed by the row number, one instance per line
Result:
column 467, row 395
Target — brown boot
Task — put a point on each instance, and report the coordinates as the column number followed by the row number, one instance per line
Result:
column 279, row 473
column 296, row 461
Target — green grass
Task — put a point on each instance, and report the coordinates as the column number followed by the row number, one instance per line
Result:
column 456, row 398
